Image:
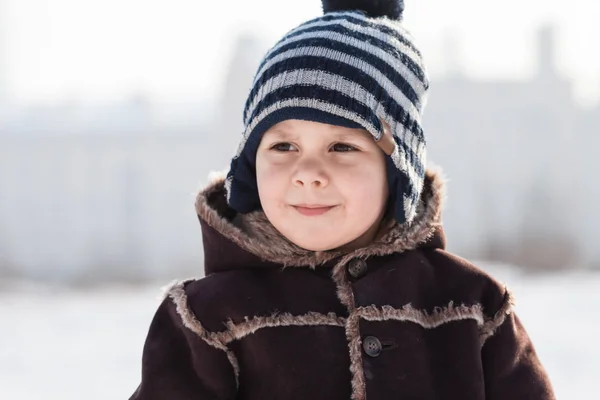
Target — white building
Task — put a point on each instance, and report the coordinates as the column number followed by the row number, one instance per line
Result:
column 118, row 205
column 513, row 151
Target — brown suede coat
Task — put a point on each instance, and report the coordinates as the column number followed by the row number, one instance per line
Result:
column 400, row 319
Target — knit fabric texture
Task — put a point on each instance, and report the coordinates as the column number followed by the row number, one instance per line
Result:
column 344, row 68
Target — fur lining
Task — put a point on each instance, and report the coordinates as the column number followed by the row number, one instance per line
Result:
column 439, row 316
column 236, row 367
column 490, row 327
column 255, row 234
column 346, row 296
column 359, row 386
column 249, row 326
column 175, row 284
column 179, row 297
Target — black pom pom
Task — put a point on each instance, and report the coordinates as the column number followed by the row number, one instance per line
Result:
column 373, row 8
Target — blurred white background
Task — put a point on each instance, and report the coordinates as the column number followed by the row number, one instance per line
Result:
column 113, row 112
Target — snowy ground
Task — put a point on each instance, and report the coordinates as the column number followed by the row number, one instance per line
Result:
column 58, row 344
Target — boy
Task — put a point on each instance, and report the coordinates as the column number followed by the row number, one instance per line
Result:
column 326, row 274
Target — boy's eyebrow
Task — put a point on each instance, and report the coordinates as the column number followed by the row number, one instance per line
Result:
column 282, row 134
column 279, row 134
column 354, row 135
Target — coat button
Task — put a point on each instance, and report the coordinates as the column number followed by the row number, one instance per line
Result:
column 372, row 346
column 357, row 268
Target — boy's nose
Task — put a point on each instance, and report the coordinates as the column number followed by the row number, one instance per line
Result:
column 311, row 176
column 314, row 182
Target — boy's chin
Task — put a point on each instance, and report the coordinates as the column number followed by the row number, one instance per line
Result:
column 317, row 248
column 313, row 244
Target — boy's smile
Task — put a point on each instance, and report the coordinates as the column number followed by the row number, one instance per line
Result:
column 311, row 209
column 322, row 186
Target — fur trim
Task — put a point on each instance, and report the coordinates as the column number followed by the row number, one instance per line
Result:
column 236, row 367
column 346, row 296
column 179, row 297
column 255, row 234
column 344, row 289
column 490, row 327
column 249, row 326
column 439, row 316
column 166, row 290
column 359, row 386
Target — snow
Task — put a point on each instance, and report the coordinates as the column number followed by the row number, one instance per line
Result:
column 60, row 343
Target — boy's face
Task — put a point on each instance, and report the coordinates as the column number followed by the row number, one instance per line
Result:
column 322, row 186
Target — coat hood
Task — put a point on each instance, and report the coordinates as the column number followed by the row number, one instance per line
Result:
column 233, row 240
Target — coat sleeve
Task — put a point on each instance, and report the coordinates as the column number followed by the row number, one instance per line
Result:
column 178, row 364
column 511, row 366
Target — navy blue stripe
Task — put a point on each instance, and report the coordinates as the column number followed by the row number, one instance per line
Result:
column 358, row 21
column 332, row 96
column 300, row 63
column 412, row 157
column 350, row 73
column 313, row 93
column 400, row 184
column 388, row 48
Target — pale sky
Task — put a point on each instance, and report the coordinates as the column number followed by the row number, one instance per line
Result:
column 106, row 49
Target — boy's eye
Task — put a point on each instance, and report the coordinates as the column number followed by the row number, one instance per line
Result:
column 342, row 147
column 283, row 147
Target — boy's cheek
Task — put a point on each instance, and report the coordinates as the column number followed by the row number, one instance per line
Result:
column 268, row 172
column 271, row 190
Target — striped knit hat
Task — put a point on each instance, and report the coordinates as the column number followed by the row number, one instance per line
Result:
column 355, row 66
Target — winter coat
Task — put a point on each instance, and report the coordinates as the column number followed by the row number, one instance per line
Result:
column 400, row 319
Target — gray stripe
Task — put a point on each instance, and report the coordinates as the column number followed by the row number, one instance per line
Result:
column 401, row 162
column 314, row 77
column 413, row 142
column 417, row 85
column 394, row 25
column 410, row 209
column 228, row 188
column 370, row 31
column 389, row 86
column 308, row 103
column 340, row 84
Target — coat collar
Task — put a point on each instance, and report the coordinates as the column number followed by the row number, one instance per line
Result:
column 249, row 240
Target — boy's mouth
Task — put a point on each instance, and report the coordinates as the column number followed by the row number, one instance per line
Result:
column 312, row 209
